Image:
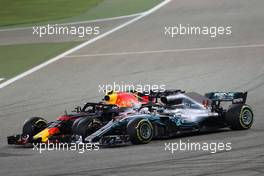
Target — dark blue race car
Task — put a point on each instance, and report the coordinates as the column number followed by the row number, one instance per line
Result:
column 175, row 114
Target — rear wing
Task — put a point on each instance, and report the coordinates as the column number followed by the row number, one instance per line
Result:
column 234, row 97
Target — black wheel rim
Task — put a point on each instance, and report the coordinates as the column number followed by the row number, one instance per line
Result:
column 247, row 117
column 145, row 131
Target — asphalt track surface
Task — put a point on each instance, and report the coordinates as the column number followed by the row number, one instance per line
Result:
column 74, row 80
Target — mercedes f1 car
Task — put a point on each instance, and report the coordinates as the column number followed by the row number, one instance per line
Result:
column 175, row 114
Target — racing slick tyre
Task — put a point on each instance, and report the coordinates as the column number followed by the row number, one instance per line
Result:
column 239, row 117
column 33, row 125
column 87, row 126
column 140, row 131
column 75, row 124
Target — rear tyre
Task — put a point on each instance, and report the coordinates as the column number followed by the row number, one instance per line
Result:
column 239, row 117
column 140, row 131
column 33, row 125
column 87, row 126
column 75, row 124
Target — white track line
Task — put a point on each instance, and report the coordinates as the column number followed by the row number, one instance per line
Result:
column 104, row 19
column 6, row 83
column 1, row 79
column 169, row 51
column 73, row 23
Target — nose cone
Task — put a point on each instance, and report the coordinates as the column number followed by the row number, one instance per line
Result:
column 45, row 134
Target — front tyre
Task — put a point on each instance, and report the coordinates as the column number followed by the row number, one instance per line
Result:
column 33, row 125
column 240, row 117
column 140, row 131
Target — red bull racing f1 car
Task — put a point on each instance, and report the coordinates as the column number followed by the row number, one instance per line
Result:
column 83, row 121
